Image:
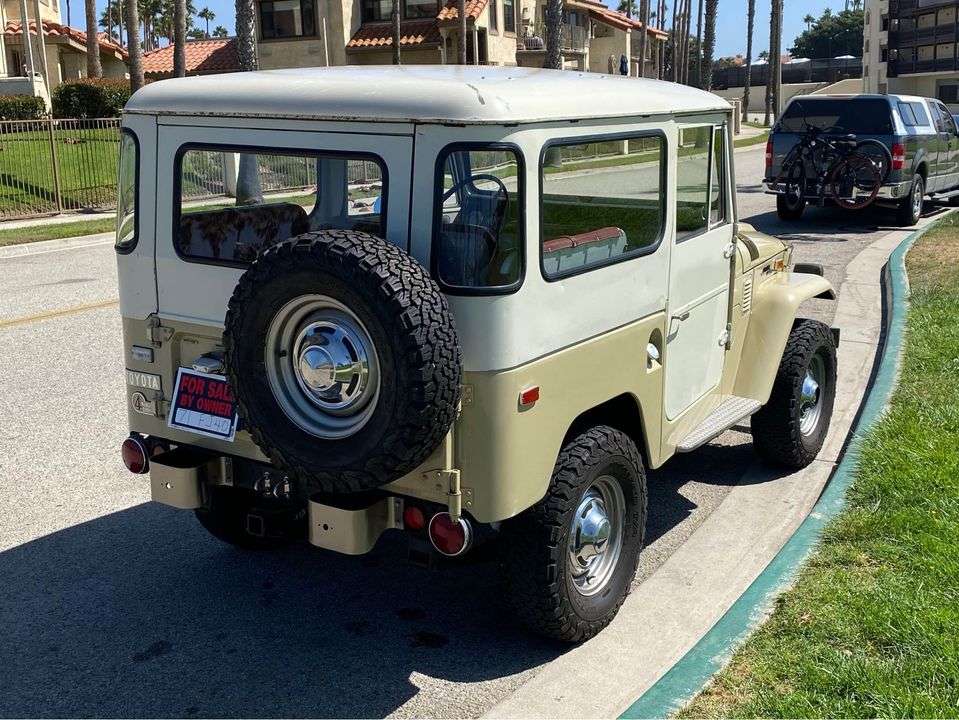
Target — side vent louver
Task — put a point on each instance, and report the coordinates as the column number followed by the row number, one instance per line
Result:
column 747, row 302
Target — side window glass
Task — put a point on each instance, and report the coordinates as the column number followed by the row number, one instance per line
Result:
column 717, row 203
column 692, row 181
column 126, row 233
column 907, row 115
column 601, row 202
column 920, row 113
column 233, row 203
column 477, row 240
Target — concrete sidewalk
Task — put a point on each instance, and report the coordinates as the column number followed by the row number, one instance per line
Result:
column 665, row 616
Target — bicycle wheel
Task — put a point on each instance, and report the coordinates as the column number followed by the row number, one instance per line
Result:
column 878, row 153
column 854, row 182
column 792, row 180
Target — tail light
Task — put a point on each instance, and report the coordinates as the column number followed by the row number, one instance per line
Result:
column 769, row 154
column 413, row 518
column 448, row 537
column 898, row 156
column 135, row 455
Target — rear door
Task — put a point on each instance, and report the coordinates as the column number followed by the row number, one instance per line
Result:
column 948, row 148
column 699, row 269
column 224, row 194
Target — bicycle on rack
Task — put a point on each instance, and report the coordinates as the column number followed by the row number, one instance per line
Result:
column 823, row 166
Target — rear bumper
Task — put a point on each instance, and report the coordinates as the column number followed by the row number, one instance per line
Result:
column 889, row 191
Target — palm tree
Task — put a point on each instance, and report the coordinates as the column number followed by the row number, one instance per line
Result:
column 674, row 42
column 709, row 44
column 220, row 32
column 248, row 189
column 207, row 15
column 396, row 32
column 627, row 7
column 809, row 20
column 133, row 44
column 554, row 51
column 94, row 68
column 461, row 11
column 750, row 18
column 643, row 36
column 775, row 58
column 699, row 45
column 179, row 38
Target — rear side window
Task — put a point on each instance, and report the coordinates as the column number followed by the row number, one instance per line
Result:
column 478, row 223
column 127, row 173
column 602, row 202
column 233, row 203
column 907, row 115
column 866, row 116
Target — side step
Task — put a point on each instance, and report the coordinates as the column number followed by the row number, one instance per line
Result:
column 944, row 195
column 719, row 421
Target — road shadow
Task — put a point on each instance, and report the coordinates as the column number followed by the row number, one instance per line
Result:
column 141, row 614
column 831, row 224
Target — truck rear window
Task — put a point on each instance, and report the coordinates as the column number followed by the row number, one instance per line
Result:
column 862, row 116
column 235, row 202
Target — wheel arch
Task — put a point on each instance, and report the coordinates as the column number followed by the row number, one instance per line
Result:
column 622, row 412
column 772, row 319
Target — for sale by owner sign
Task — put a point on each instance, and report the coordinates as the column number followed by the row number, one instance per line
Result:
column 203, row 404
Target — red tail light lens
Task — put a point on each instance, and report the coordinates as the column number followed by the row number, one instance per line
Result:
column 769, row 154
column 134, row 454
column 450, row 538
column 898, row 156
column 413, row 518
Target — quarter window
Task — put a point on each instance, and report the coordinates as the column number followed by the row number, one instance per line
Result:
column 234, row 203
column 478, row 230
column 601, row 202
column 126, row 235
column 717, row 201
column 287, row 18
column 692, row 181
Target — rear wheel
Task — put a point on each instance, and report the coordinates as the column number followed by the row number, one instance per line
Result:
column 570, row 558
column 910, row 209
column 789, row 430
column 791, row 203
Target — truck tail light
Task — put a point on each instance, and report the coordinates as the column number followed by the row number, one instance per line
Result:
column 135, row 455
column 448, row 537
column 898, row 156
column 769, row 154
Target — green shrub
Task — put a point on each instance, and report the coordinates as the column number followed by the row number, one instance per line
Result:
column 90, row 98
column 22, row 107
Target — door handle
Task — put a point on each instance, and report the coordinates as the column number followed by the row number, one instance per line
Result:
column 681, row 316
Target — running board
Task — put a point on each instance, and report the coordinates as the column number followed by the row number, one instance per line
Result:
column 944, row 195
column 719, row 421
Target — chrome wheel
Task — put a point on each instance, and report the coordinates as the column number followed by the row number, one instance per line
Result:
column 596, row 535
column 917, row 193
column 810, row 405
column 322, row 366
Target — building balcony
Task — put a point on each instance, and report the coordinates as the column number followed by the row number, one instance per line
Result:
column 898, row 68
column 573, row 38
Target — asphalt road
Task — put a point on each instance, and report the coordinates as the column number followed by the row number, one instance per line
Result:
column 114, row 606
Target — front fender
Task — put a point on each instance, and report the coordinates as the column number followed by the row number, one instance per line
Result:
column 773, row 312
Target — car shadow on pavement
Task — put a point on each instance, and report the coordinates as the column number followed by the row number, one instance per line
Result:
column 141, row 614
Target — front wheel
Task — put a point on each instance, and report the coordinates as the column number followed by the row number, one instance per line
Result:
column 570, row 559
column 910, row 209
column 789, row 430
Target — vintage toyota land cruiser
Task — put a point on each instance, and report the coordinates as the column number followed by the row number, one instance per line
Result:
column 464, row 303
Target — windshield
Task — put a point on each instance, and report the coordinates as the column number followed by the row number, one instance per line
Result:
column 862, row 116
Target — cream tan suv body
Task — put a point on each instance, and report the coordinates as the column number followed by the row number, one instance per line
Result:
column 465, row 303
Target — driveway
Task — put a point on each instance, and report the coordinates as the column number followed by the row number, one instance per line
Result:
column 114, row 606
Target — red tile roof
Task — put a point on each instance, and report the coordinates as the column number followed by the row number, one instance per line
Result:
column 215, row 55
column 599, row 11
column 53, row 30
column 451, row 10
column 380, row 35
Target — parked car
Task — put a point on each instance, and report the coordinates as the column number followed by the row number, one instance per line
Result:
column 500, row 347
column 919, row 134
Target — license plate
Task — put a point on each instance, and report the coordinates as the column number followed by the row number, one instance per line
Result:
column 203, row 404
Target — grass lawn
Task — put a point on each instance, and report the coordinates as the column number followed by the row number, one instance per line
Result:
column 18, row 236
column 871, row 628
column 87, row 160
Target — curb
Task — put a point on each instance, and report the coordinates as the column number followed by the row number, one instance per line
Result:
column 41, row 247
column 691, row 673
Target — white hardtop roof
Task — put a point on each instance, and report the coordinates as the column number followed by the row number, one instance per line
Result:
column 439, row 93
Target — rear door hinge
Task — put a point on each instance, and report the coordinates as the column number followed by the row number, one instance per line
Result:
column 157, row 332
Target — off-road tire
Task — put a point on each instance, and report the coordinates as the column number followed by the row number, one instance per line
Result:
column 777, row 435
column 789, row 211
column 411, row 326
column 906, row 213
column 539, row 586
column 225, row 517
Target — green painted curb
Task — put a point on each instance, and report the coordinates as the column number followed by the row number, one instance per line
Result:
column 708, row 656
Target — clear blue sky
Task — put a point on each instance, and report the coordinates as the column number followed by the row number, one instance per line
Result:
column 730, row 31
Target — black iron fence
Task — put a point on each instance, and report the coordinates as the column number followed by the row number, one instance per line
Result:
column 811, row 71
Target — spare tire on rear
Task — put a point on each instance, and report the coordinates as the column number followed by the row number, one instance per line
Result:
column 344, row 360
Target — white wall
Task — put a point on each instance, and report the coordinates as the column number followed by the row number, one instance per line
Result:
column 757, row 94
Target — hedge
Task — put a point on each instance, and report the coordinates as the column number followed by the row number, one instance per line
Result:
column 22, row 107
column 90, row 98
